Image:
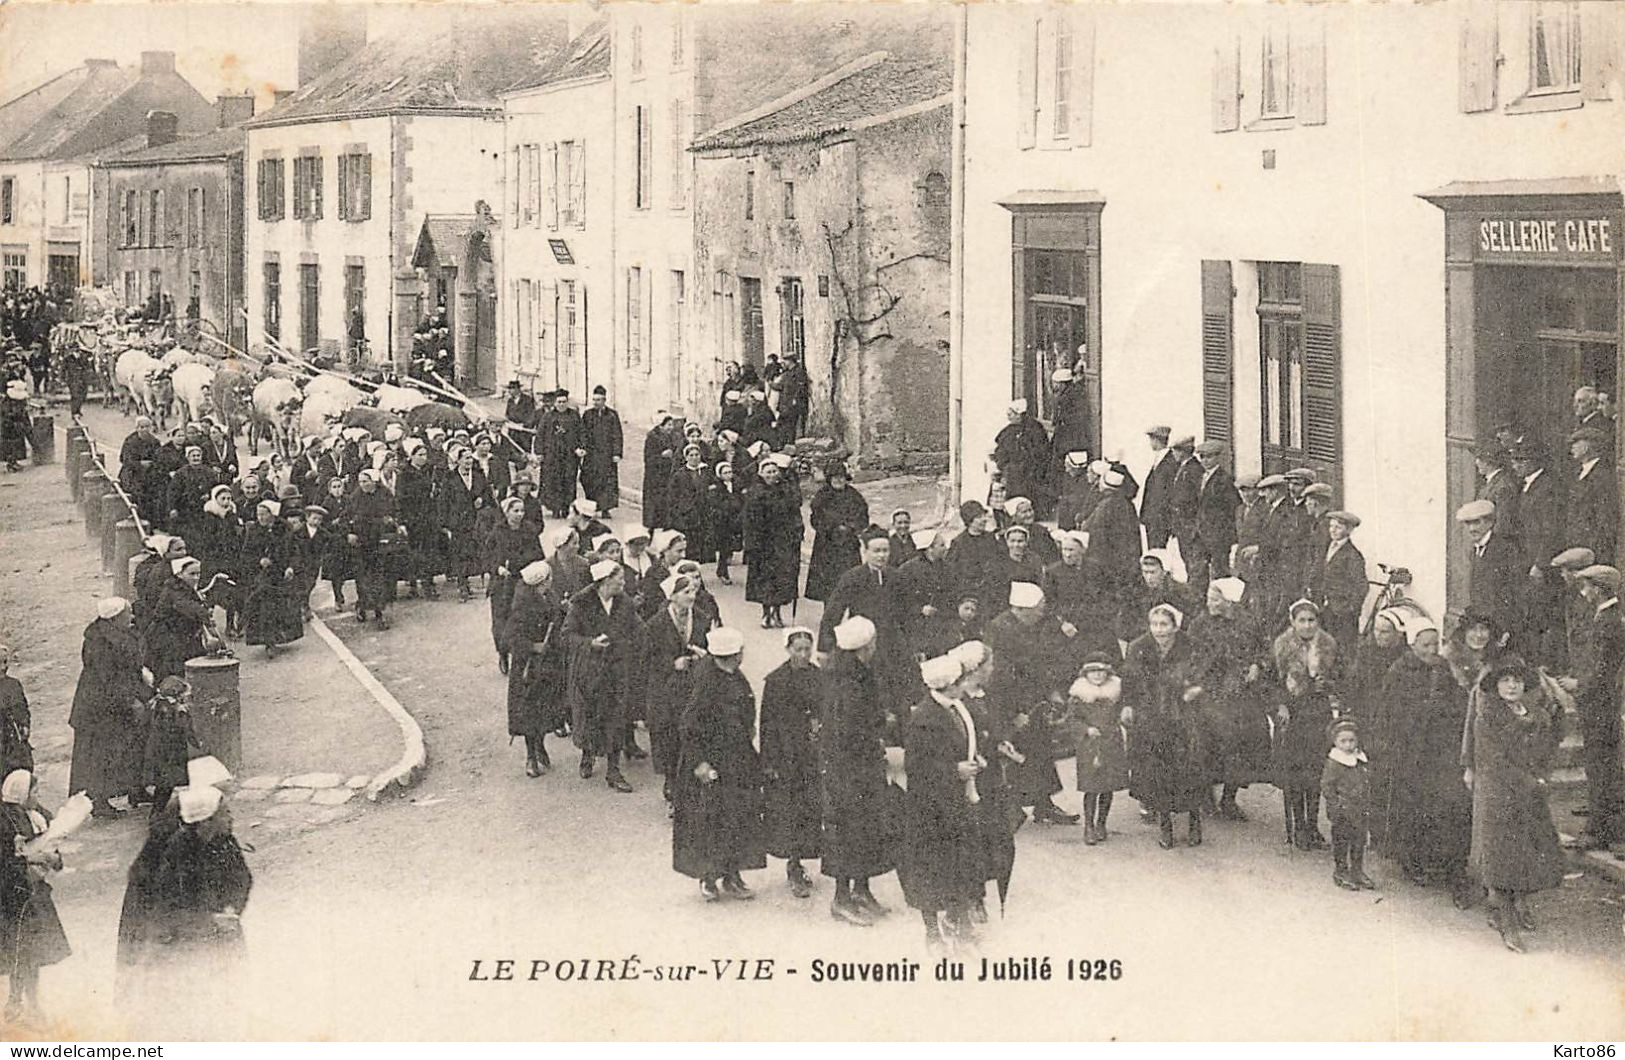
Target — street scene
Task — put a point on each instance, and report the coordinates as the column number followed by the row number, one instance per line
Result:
column 718, row 522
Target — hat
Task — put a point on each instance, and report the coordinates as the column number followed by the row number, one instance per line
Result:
column 600, row 540
column 111, row 606
column 1077, row 458
column 287, row 492
column 1302, row 605
column 854, row 632
column 694, row 429
column 206, row 771
column 1341, row 725
column 1475, row 510
column 1300, row 474
column 693, row 447
column 1490, row 451
column 799, row 631
column 394, row 432
column 513, row 502
column 1061, row 375
column 1013, row 503
column 631, row 532
column 1392, row 617
column 355, row 434
column 1157, row 556
column 1347, row 518
column 1271, row 481
column 603, row 569
column 173, row 687
column 724, row 641
column 1019, row 405
column 1506, row 666
column 272, row 506
column 1171, row 611
column 554, row 537
column 779, row 460
column 756, row 448
column 1096, row 661
column 198, row 803
column 1573, row 559
column 583, row 506
column 1584, row 434
column 661, row 540
column 1318, row 489
column 732, row 397
column 1248, row 481
column 17, row 389
column 599, row 389
column 1160, row 433
column 1603, row 575
column 1080, row 536
column 1113, row 478
column 971, row 511
column 729, row 436
column 159, row 543
column 1210, row 448
column 940, row 672
column 1232, row 589
column 1187, row 441
column 1413, row 626
column 1025, row 594
column 218, row 490
column 366, row 474
column 514, row 384
column 178, row 565
column 316, row 509
column 835, row 466
column 1018, row 528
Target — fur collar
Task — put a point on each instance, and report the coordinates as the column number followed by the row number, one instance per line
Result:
column 1344, row 758
column 1110, row 692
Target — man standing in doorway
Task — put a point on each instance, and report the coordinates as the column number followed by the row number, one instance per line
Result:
column 1595, row 680
column 1497, row 573
column 1593, row 511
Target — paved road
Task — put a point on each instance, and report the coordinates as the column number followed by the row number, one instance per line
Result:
column 370, row 927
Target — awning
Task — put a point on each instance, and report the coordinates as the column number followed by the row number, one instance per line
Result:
column 1556, row 191
column 1052, row 199
column 443, row 241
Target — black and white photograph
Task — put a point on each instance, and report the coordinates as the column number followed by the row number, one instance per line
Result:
column 812, row 521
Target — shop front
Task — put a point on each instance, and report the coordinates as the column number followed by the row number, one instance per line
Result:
column 1533, row 271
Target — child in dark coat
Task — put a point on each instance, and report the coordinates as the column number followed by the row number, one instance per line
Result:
column 1099, row 720
column 1345, row 785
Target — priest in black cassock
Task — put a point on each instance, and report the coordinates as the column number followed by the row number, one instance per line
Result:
column 558, row 441
column 601, row 466
column 879, row 593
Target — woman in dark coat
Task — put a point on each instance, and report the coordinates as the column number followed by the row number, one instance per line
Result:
column 106, row 715
column 1022, row 452
column 998, row 815
column 603, row 635
column 772, row 532
column 31, row 935
column 860, row 810
column 839, row 513
column 338, row 561
column 510, row 549
column 791, row 705
column 371, row 530
column 1230, row 665
column 463, row 494
column 1100, row 723
column 1378, row 651
column 1512, row 732
column 16, row 426
column 673, row 646
column 16, row 720
column 1170, row 762
column 659, row 462
column 138, row 925
column 417, row 505
column 942, row 852
column 686, row 497
column 717, row 810
column 533, row 636
column 180, row 627
column 725, row 508
column 219, row 548
column 270, row 614
column 1306, row 664
column 1429, row 811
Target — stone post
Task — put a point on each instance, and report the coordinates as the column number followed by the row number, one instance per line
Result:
column 217, row 707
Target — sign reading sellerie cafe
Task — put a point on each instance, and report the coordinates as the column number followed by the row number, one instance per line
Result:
column 1555, row 238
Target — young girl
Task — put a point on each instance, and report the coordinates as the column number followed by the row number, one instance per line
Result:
column 1100, row 720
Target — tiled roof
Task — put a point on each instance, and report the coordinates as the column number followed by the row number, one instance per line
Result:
column 442, row 240
column 221, row 143
column 455, row 72
column 92, row 107
column 589, row 55
column 874, row 86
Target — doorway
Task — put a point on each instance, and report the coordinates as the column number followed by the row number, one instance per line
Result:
column 750, row 289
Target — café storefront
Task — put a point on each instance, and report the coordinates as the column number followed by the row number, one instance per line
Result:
column 1533, row 271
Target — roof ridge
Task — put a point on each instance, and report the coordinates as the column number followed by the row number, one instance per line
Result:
column 807, row 91
column 49, row 81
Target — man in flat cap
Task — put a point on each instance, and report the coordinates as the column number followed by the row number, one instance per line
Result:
column 1337, row 580
column 1250, row 517
column 1594, row 679
column 1497, row 573
column 1593, row 496
column 1187, row 484
column 1214, row 525
column 1156, row 514
column 1496, row 485
column 1574, row 613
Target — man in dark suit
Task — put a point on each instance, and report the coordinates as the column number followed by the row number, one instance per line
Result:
column 879, row 593
column 1187, row 483
column 1593, row 509
column 1214, row 523
column 1496, row 485
column 1594, row 678
column 1588, row 413
column 1156, row 515
column 1497, row 572
column 1337, row 580
column 1540, row 505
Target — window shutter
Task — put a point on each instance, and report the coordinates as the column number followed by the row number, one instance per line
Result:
column 1081, row 117
column 1309, row 70
column 1601, row 40
column 553, row 186
column 259, row 190
column 1479, row 53
column 366, row 187
column 1250, row 64
column 513, row 197
column 1218, row 352
column 1323, row 370
column 1027, row 87
column 316, row 176
column 202, row 217
column 578, row 183
column 581, row 322
column 648, row 321
column 1227, row 86
column 344, row 187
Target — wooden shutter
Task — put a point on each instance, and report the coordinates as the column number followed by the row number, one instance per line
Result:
column 344, row 187
column 1479, row 53
column 1218, row 352
column 316, row 176
column 1323, row 370
column 513, row 197
column 648, row 320
column 1081, row 116
column 259, row 193
column 1227, row 86
column 553, row 186
column 581, row 322
column 1309, row 71
column 365, row 176
column 578, row 183
column 1601, row 40
column 1027, row 85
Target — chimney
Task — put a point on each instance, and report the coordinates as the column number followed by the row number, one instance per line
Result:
column 162, row 128
column 234, row 110
column 157, row 63
column 280, row 94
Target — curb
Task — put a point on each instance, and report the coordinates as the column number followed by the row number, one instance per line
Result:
column 409, row 768
column 1597, row 862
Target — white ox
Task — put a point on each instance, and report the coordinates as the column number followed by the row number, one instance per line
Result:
column 143, row 382
column 194, row 390
column 327, row 399
column 399, row 399
column 274, row 414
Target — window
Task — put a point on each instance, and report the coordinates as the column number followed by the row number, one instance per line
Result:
column 67, row 199
column 155, row 219
column 634, row 316
column 679, row 154
column 132, row 289
column 636, row 49
column 307, row 188
column 273, row 300
column 128, row 219
column 1061, row 112
column 355, row 187
column 194, row 217
column 310, row 300
column 1554, row 48
column 1299, row 366
column 642, row 188
column 1055, row 80
column 14, row 267
column 272, row 204
column 194, row 299
column 575, row 181
column 789, row 200
column 1277, row 71
column 566, row 327
column 750, row 319
column 8, row 200
column 792, row 325
column 355, row 305
column 679, row 46
column 750, row 195
column 531, row 199
column 155, row 286
column 678, row 316
column 515, row 175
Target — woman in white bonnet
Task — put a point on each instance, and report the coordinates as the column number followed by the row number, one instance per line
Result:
column 31, row 935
